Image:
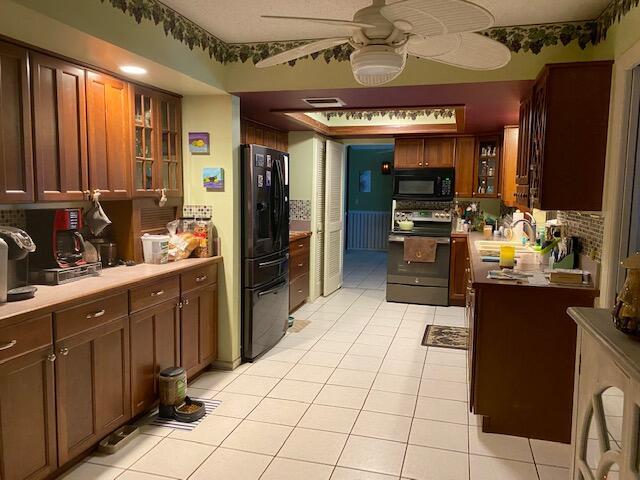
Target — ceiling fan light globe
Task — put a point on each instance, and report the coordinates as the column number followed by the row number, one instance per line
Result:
column 375, row 65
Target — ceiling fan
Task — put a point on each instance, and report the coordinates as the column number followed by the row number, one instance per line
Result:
column 383, row 35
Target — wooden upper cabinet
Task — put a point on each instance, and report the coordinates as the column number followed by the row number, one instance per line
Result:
column 486, row 175
column 255, row 133
column 109, row 135
column 16, row 156
column 464, row 160
column 439, row 152
column 509, row 165
column 169, row 130
column 409, row 153
column 60, row 129
column 157, row 143
column 146, row 169
column 564, row 126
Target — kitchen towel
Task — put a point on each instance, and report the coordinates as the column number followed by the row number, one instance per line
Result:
column 420, row 249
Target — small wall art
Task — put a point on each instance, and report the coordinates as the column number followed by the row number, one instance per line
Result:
column 199, row 143
column 213, row 178
column 365, row 181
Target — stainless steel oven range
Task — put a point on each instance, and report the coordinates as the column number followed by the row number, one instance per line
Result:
column 418, row 282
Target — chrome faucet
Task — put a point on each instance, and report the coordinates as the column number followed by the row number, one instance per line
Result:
column 531, row 233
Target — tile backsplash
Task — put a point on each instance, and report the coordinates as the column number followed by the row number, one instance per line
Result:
column 588, row 227
column 199, row 211
column 13, row 218
column 300, row 210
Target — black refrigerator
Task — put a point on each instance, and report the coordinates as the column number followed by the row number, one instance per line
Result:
column 265, row 249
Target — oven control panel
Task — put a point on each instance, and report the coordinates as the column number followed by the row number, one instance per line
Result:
column 423, row 215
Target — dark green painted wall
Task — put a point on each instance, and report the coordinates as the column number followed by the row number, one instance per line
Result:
column 369, row 157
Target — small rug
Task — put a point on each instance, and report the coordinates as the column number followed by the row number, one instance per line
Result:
column 209, row 406
column 298, row 325
column 446, row 337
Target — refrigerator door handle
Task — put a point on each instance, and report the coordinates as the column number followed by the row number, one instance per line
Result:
column 272, row 263
column 272, row 290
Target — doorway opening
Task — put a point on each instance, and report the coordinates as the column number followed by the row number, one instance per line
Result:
column 368, row 202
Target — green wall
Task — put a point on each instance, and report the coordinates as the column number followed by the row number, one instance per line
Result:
column 369, row 157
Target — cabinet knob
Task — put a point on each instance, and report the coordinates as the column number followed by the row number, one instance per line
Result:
column 51, row 357
column 454, row 241
column 499, row 195
column 300, row 265
column 426, row 164
column 201, row 278
column 158, row 293
column 64, row 351
column 420, row 163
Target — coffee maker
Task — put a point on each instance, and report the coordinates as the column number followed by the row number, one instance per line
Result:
column 15, row 246
column 59, row 257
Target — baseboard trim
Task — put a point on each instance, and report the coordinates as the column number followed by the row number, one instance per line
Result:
column 227, row 365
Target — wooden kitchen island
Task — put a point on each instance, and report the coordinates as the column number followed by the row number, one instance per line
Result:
column 522, row 352
column 80, row 360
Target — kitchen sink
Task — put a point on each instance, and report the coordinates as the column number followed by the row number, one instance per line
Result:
column 491, row 248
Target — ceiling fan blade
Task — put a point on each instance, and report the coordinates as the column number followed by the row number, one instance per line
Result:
column 473, row 52
column 301, row 51
column 326, row 21
column 439, row 17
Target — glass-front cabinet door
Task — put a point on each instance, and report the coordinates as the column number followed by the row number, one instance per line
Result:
column 145, row 175
column 487, row 167
column 170, row 146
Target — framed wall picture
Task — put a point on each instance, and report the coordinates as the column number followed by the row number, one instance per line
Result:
column 199, row 143
column 213, row 178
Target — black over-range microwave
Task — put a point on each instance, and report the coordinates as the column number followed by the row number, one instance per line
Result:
column 435, row 184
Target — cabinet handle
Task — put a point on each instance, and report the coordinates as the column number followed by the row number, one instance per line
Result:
column 201, row 278
column 300, row 245
column 8, row 345
column 97, row 314
column 301, row 265
column 300, row 291
column 51, row 357
column 158, row 293
column 64, row 351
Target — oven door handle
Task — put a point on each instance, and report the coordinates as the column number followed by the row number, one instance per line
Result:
column 400, row 239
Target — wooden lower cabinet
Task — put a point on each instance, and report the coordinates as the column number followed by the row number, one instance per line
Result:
column 299, row 251
column 69, row 379
column 92, row 386
column 155, row 345
column 28, row 416
column 199, row 329
column 458, row 270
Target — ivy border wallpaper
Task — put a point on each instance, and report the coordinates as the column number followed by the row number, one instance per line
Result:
column 530, row 38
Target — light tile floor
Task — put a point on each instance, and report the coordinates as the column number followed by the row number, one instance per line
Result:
column 353, row 396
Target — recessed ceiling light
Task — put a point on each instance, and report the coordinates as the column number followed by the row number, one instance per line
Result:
column 133, row 70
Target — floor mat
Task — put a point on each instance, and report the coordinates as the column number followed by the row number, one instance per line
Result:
column 446, row 337
column 298, row 325
column 209, row 406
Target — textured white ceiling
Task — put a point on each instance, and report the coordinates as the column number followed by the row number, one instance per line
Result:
column 238, row 21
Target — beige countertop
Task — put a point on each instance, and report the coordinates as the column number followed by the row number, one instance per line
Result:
column 47, row 297
column 481, row 269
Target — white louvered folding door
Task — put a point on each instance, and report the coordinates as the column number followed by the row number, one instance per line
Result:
column 334, row 217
